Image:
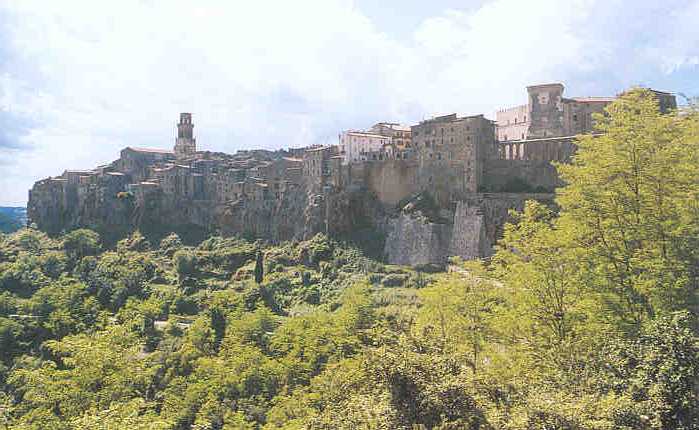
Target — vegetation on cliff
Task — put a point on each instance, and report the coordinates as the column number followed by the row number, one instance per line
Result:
column 584, row 319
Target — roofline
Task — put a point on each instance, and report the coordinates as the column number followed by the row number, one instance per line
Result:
column 552, row 84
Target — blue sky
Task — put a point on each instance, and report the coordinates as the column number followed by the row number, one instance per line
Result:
column 79, row 80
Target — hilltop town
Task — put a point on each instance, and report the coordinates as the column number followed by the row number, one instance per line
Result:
column 439, row 188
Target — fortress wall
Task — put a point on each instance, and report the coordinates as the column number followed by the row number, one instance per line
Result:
column 445, row 180
column 391, row 180
column 495, row 208
column 411, row 241
column 394, row 180
column 519, row 176
column 469, row 240
column 475, row 226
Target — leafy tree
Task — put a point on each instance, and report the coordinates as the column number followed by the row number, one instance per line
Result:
column 90, row 372
column 630, row 206
column 659, row 371
column 81, row 243
column 457, row 315
column 185, row 263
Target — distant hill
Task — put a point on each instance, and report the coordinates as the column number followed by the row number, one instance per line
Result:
column 12, row 218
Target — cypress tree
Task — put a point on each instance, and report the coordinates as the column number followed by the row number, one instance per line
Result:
column 259, row 270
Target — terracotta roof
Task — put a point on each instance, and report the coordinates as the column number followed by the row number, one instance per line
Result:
column 366, row 133
column 552, row 84
column 152, row 150
column 394, row 126
column 89, row 172
column 593, row 99
column 321, row 148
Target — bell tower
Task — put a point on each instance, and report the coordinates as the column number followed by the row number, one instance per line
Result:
column 185, row 144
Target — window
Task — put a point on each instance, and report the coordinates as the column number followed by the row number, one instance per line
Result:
column 575, row 117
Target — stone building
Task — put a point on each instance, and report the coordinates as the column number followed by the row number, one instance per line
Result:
column 548, row 114
column 469, row 140
column 137, row 162
column 355, row 146
column 316, row 164
column 400, row 134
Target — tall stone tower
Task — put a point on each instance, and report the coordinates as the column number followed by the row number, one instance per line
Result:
column 186, row 144
column 545, row 111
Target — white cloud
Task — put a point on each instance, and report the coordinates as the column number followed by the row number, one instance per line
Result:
column 93, row 77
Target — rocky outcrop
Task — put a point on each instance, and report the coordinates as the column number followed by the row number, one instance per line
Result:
column 469, row 231
column 412, row 240
column 468, row 236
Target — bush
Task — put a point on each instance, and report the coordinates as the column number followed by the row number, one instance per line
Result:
column 185, row 263
column 80, row 243
column 170, row 244
column 394, row 280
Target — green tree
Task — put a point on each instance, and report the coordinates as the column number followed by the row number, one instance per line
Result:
column 659, row 371
column 456, row 315
column 80, row 243
column 259, row 268
column 630, row 206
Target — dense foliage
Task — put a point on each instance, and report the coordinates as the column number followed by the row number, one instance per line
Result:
column 585, row 318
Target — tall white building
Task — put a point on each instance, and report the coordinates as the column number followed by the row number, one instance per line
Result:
column 361, row 146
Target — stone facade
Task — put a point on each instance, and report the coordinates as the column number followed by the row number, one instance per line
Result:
column 548, row 114
column 185, row 144
column 468, row 141
column 401, row 136
column 357, row 146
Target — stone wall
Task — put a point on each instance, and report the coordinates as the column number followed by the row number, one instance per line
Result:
column 468, row 239
column 520, row 176
column 469, row 231
column 412, row 240
column 512, row 123
column 391, row 181
column 495, row 208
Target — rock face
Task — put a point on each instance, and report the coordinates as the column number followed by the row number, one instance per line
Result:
column 413, row 240
column 468, row 235
column 469, row 231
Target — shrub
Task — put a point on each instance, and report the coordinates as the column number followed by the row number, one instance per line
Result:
column 394, row 280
